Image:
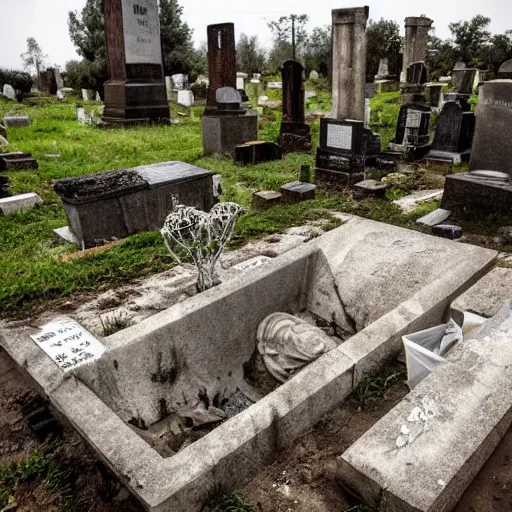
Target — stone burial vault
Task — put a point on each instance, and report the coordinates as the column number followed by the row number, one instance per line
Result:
column 373, row 281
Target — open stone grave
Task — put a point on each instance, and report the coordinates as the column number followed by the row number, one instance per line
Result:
column 365, row 282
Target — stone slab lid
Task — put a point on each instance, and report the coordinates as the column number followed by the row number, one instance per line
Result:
column 168, row 173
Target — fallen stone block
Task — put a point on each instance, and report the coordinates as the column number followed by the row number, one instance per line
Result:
column 426, row 451
column 486, row 296
column 372, row 187
column 265, row 199
column 20, row 202
column 16, row 121
column 296, row 191
column 256, row 152
column 17, row 161
column 438, row 216
column 447, row 231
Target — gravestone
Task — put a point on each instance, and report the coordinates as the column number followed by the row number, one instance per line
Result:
column 463, row 80
column 256, row 152
column 186, row 98
column 435, row 95
column 58, row 79
column 221, row 60
column 9, row 92
column 240, row 80
column 135, row 92
column 415, row 44
column 225, row 125
column 453, row 136
column 14, row 204
column 115, row 204
column 413, row 91
column 16, row 121
column 17, row 161
column 313, row 75
column 179, row 82
column 505, row 71
column 340, row 154
column 295, row 133
column 487, row 187
column 85, row 94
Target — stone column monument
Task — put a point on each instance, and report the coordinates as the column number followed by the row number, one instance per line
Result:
column 295, row 133
column 221, row 59
column 135, row 92
column 416, row 37
column 340, row 155
column 349, row 62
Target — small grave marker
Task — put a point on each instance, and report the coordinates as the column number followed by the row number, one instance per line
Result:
column 67, row 343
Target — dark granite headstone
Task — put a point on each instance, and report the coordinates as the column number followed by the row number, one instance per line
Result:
column 17, row 161
column 135, row 92
column 454, row 134
column 221, row 59
column 417, row 73
column 463, row 80
column 413, row 123
column 340, row 153
column 256, row 152
column 295, row 133
column 296, row 191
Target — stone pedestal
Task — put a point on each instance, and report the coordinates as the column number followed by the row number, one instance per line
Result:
column 135, row 92
column 114, row 204
column 349, row 62
column 416, row 38
column 222, row 133
column 453, row 136
column 478, row 193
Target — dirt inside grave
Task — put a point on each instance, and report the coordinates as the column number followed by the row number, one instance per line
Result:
column 302, row 478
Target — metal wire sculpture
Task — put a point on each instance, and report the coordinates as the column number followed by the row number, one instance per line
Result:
column 191, row 234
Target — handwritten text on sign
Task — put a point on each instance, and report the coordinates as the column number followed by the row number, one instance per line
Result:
column 67, row 343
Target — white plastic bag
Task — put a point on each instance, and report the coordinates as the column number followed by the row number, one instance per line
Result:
column 424, row 350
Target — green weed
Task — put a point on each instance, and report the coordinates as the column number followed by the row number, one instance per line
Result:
column 233, row 502
column 114, row 323
column 373, row 388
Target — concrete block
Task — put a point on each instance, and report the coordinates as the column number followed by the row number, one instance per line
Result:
column 486, row 297
column 20, row 202
column 296, row 191
column 425, row 452
column 265, row 199
column 221, row 134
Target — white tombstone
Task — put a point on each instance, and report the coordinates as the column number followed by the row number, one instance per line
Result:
column 178, row 82
column 168, row 87
column 9, row 92
column 262, row 100
column 367, row 113
column 85, row 94
column 275, row 85
column 186, row 98
column 98, row 97
column 58, row 79
column 256, row 78
column 60, row 94
column 309, row 94
column 313, row 75
column 240, row 80
column 81, row 115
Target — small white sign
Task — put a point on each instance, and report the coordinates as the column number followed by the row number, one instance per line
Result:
column 67, row 343
column 141, row 28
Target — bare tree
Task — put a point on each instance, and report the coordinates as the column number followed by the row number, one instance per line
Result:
column 34, row 57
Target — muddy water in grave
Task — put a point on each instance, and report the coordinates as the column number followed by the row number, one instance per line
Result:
column 177, row 431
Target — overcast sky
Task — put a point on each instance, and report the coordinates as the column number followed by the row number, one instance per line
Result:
column 46, row 20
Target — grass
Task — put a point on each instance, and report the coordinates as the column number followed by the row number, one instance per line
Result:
column 113, row 324
column 373, row 388
column 39, row 464
column 32, row 273
column 233, row 502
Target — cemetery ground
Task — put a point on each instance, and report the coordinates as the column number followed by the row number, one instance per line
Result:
column 61, row 473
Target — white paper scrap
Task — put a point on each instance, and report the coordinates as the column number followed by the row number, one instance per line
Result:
column 67, row 343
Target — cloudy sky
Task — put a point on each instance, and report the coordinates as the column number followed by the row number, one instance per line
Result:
column 46, row 20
